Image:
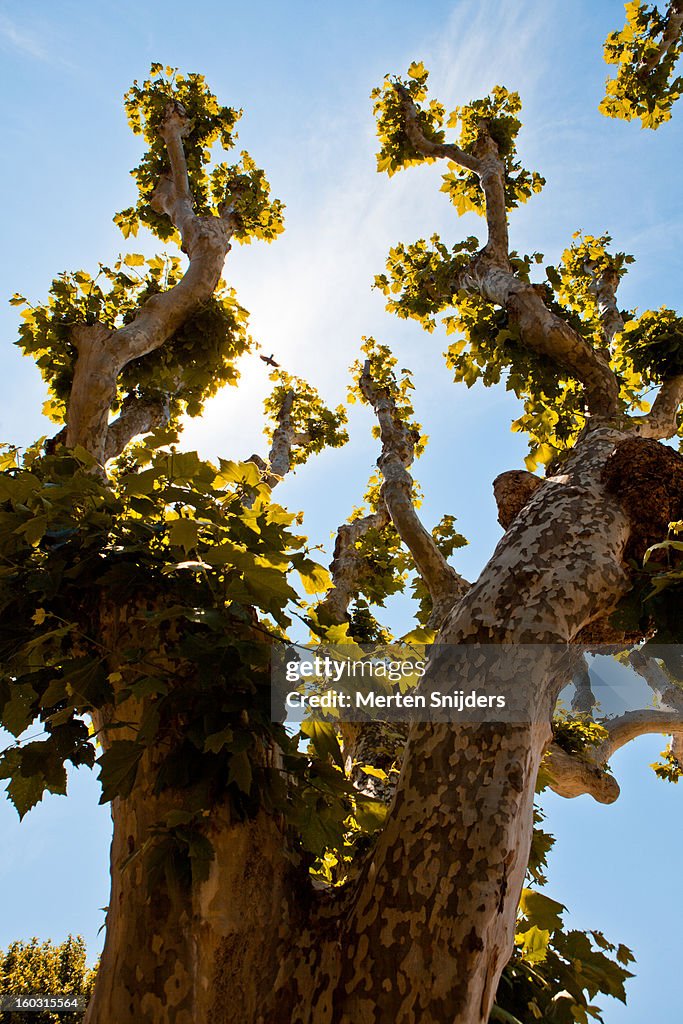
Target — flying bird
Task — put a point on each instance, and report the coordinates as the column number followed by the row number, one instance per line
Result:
column 269, row 361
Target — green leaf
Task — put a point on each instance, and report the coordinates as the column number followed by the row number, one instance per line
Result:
column 118, row 769
column 184, row 533
column 17, row 714
column 25, row 793
column 314, row 578
column 534, row 944
column 540, row 910
column 246, row 473
column 34, row 530
column 268, row 584
column 376, row 773
column 420, row 636
column 370, row 814
column 324, row 739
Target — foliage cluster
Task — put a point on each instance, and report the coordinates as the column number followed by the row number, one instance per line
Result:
column 639, row 89
column 195, row 362
column 30, row 967
column 314, row 426
column 206, row 573
column 242, row 186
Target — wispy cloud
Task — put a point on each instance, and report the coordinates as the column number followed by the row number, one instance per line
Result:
column 28, row 43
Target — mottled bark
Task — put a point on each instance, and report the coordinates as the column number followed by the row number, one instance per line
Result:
column 422, row 930
column 177, row 951
column 430, row 923
column 173, row 954
column 604, row 287
column 347, row 565
column 662, row 420
column 285, row 439
column 424, row 927
column 136, row 417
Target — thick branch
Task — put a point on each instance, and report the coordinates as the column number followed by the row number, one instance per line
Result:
column 136, row 417
column 632, row 724
column 573, row 775
column 545, row 332
column 662, row 420
column 672, row 31
column 445, row 585
column 485, row 163
column 604, row 287
column 103, row 353
column 93, row 387
column 347, row 564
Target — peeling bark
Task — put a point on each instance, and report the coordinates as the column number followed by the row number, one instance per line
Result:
column 662, row 420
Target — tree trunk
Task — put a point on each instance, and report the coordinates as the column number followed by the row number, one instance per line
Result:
column 187, row 954
column 424, row 931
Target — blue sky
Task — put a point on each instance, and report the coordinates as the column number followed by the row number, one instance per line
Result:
column 303, row 71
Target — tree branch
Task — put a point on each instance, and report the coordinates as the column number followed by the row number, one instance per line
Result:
column 485, row 163
column 545, row 332
column 662, row 420
column 445, row 585
column 172, row 195
column 632, row 724
column 284, row 439
column 573, row 775
column 103, row 353
column 280, row 457
column 604, row 287
column 490, row 276
column 424, row 145
column 93, row 388
column 136, row 417
column 347, row 563
column 672, row 30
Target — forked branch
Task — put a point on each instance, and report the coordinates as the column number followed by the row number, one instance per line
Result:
column 489, row 273
column 485, row 163
column 137, row 416
column 103, row 353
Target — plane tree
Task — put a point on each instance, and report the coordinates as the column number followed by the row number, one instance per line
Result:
column 364, row 873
